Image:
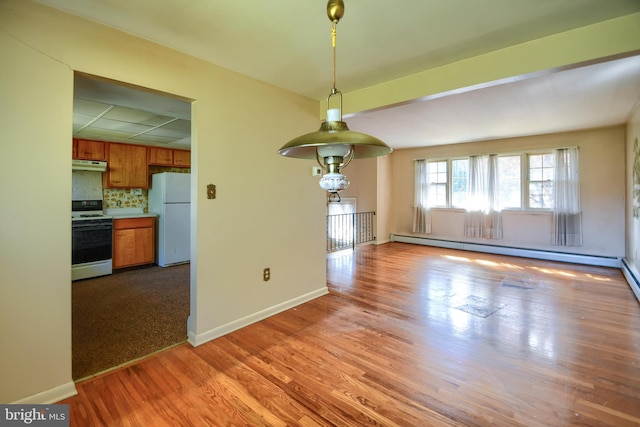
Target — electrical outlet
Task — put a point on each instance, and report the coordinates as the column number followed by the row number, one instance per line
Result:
column 136, row 191
column 266, row 274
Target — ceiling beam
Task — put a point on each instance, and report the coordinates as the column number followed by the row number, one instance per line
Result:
column 613, row 38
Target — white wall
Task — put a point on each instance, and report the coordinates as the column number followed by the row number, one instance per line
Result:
column 269, row 211
column 384, row 199
column 602, row 191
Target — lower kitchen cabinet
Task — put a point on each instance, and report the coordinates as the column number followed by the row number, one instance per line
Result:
column 133, row 241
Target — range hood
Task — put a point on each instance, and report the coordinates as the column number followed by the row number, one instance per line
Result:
column 89, row 165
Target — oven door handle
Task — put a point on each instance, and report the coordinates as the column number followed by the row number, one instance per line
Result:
column 91, row 226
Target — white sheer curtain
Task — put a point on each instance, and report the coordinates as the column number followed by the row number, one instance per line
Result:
column 474, row 215
column 493, row 221
column 567, row 215
column 482, row 216
column 421, row 210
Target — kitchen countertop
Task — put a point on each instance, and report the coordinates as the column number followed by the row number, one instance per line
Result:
column 128, row 213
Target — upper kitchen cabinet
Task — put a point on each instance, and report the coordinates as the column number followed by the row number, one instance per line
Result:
column 169, row 157
column 127, row 166
column 160, row 156
column 182, row 158
column 88, row 150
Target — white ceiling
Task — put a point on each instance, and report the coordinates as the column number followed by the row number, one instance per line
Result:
column 592, row 96
column 286, row 43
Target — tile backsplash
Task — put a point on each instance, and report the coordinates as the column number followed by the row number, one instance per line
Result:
column 114, row 198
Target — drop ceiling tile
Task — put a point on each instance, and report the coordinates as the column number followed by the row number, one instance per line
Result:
column 90, row 108
column 117, row 125
column 168, row 133
column 81, row 120
column 180, row 124
column 104, row 135
column 152, row 138
column 159, row 121
column 130, row 115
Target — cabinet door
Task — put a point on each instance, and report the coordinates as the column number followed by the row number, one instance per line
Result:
column 182, row 158
column 133, row 242
column 89, row 150
column 160, row 156
column 133, row 246
column 127, row 166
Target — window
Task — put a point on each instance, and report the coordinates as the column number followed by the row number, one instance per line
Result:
column 459, row 178
column 541, row 181
column 524, row 181
column 509, row 178
column 345, row 206
column 340, row 221
column 438, row 183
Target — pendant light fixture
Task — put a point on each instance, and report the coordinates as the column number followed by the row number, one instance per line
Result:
column 334, row 145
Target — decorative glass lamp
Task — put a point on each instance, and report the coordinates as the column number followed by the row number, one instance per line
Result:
column 334, row 145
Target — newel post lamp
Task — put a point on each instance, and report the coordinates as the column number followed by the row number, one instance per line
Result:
column 334, row 145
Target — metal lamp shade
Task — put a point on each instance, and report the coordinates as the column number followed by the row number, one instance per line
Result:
column 332, row 133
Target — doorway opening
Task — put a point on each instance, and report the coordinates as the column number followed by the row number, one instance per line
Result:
column 340, row 224
column 140, row 308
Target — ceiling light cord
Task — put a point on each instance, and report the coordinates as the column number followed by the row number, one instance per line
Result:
column 335, row 11
column 333, row 45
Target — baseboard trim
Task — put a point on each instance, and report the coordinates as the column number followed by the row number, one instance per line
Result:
column 512, row 251
column 632, row 278
column 199, row 339
column 50, row 396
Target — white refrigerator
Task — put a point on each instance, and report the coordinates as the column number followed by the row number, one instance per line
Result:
column 170, row 198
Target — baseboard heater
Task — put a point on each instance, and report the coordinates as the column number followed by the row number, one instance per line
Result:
column 512, row 251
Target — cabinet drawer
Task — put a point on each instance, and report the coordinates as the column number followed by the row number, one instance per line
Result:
column 124, row 223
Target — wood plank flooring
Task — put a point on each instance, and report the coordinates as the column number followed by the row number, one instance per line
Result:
column 408, row 336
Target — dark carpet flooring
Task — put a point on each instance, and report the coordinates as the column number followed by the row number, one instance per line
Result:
column 127, row 315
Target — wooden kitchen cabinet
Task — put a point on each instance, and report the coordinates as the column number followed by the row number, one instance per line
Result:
column 128, row 166
column 85, row 149
column 160, row 156
column 133, row 242
column 182, row 158
column 168, row 157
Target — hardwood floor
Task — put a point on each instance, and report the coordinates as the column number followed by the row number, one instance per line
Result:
column 408, row 336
